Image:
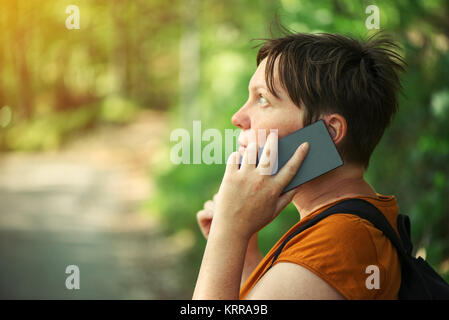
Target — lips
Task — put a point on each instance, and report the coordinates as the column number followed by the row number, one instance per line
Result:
column 242, row 145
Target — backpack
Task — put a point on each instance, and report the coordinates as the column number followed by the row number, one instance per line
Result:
column 418, row 280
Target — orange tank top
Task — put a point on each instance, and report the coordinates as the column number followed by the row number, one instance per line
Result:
column 339, row 249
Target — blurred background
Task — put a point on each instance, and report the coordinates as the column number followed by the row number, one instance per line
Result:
column 86, row 116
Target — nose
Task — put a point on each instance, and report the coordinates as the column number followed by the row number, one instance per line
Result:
column 241, row 119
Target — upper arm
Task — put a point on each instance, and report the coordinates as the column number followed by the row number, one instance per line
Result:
column 291, row 281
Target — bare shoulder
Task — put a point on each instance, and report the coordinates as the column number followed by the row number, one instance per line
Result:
column 291, row 281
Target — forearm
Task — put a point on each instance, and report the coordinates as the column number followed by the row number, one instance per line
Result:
column 221, row 269
column 252, row 258
column 247, row 201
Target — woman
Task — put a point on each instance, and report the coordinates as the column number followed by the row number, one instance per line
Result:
column 301, row 78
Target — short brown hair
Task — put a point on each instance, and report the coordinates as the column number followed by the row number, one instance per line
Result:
column 331, row 73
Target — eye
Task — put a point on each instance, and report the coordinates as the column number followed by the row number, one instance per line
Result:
column 262, row 101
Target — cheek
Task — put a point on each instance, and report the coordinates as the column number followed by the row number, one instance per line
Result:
column 289, row 126
column 286, row 122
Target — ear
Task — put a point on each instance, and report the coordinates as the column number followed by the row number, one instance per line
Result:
column 337, row 126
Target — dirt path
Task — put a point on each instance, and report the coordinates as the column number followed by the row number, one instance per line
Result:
column 80, row 206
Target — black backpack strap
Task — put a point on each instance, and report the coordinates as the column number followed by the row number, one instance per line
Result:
column 403, row 224
column 418, row 279
column 358, row 207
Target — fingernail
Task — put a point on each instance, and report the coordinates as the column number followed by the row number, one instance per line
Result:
column 305, row 146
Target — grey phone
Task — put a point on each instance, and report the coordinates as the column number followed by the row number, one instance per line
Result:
column 322, row 156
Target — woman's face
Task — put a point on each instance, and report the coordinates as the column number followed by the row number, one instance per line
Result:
column 262, row 111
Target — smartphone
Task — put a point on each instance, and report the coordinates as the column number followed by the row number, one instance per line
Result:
column 322, row 156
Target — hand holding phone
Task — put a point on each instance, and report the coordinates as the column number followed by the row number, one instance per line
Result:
column 321, row 158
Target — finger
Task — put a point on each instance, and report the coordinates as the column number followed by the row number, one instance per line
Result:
column 204, row 223
column 286, row 174
column 249, row 157
column 201, row 215
column 204, row 217
column 268, row 160
column 232, row 164
column 209, row 205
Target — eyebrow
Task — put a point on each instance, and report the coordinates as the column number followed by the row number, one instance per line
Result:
column 263, row 87
column 250, row 88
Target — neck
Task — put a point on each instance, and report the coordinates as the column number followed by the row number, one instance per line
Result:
column 342, row 182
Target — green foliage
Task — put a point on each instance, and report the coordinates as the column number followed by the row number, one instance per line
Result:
column 123, row 56
column 115, row 109
column 47, row 132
